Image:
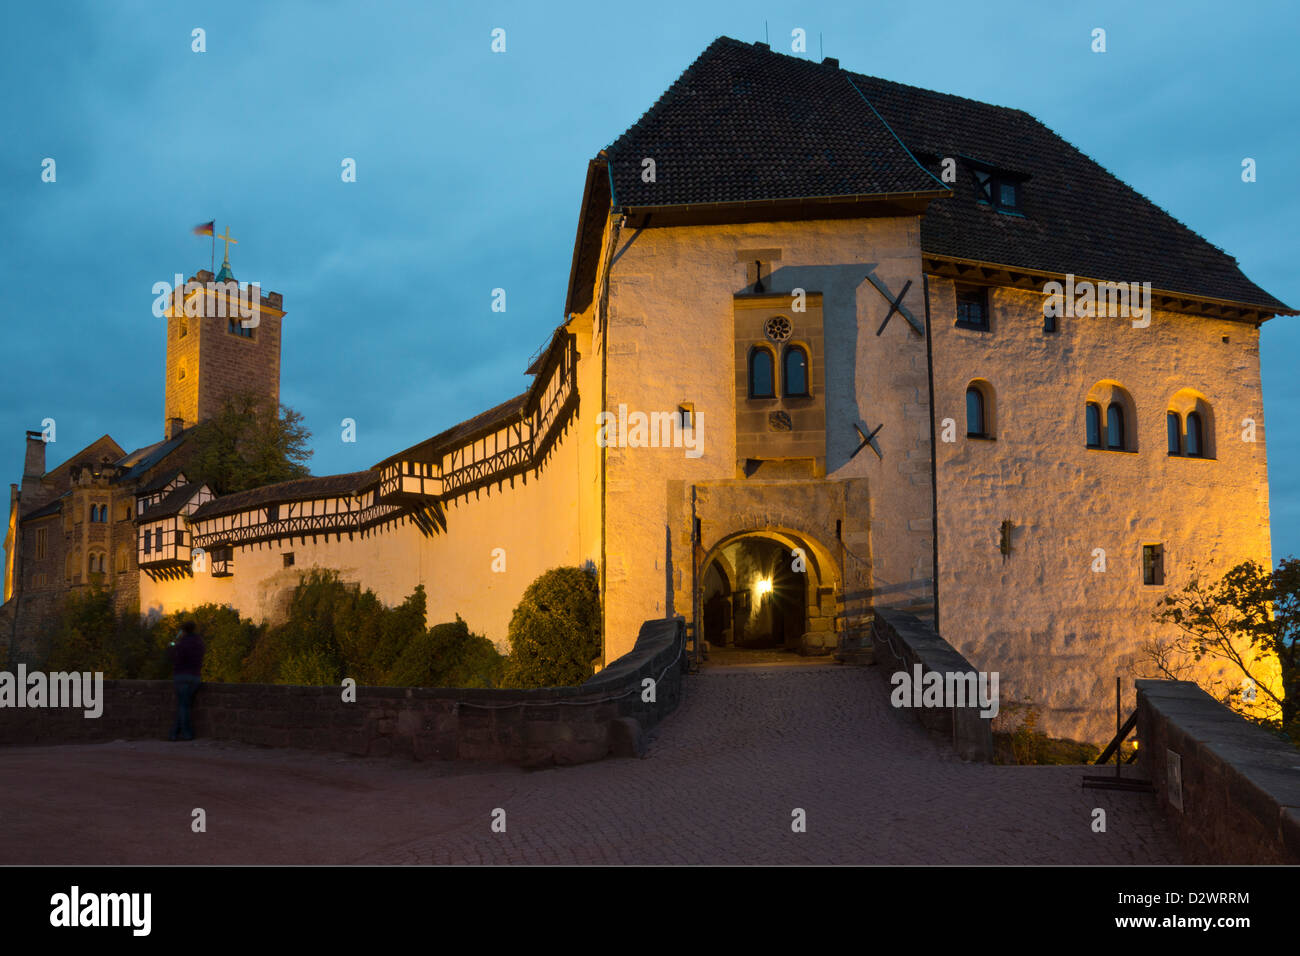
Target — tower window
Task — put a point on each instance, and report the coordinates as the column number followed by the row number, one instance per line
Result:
column 1174, row 430
column 973, row 309
column 1153, row 564
column 236, row 327
column 761, row 374
column 794, row 371
column 40, row 543
column 288, row 559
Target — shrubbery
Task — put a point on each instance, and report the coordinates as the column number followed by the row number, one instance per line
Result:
column 555, row 630
column 334, row 630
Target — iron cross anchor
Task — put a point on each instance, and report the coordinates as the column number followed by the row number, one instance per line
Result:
column 867, row 440
column 895, row 305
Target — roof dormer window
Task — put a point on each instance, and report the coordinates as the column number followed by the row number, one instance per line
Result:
column 998, row 190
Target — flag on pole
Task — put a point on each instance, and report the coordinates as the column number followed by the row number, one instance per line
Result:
column 207, row 229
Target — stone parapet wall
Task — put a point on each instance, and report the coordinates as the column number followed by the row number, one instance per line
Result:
column 1230, row 788
column 556, row 725
column 902, row 641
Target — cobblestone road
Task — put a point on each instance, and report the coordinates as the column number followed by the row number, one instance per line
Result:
column 746, row 748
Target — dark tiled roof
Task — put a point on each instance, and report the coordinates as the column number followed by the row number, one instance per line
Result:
column 142, row 459
column 746, row 124
column 299, row 489
column 743, row 124
column 172, row 503
column 1078, row 217
column 159, row 482
column 54, row 507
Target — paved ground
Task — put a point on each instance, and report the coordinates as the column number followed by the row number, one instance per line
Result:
column 746, row 748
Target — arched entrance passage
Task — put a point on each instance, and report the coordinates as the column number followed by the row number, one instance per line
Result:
column 770, row 589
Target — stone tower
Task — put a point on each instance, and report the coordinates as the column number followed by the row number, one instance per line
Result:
column 222, row 340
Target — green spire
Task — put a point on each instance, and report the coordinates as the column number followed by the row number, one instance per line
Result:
column 225, row 275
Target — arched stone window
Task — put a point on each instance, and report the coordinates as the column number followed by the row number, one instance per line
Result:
column 123, row 560
column 979, row 410
column 794, row 371
column 762, row 373
column 1196, row 415
column 1110, row 417
column 1174, row 430
column 974, row 412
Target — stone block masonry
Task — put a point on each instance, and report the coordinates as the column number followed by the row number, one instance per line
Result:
column 1230, row 788
column 607, row 715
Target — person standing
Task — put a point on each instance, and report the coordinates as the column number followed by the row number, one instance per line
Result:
column 187, row 666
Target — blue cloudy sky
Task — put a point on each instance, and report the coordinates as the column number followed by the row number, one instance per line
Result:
column 470, row 168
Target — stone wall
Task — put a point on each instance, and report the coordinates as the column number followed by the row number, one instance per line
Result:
column 902, row 641
column 1076, row 627
column 555, row 725
column 1230, row 788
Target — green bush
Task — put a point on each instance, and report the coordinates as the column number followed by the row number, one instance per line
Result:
column 555, row 630
column 334, row 630
column 448, row 655
column 89, row 635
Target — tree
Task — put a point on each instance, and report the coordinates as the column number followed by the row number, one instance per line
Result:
column 250, row 442
column 1248, row 619
column 89, row 635
column 555, row 630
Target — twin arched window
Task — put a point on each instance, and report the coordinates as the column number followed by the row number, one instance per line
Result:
column 1109, row 422
column 1109, row 432
column 1193, row 445
column 794, row 372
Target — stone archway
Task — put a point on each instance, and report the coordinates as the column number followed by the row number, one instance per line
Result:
column 769, row 588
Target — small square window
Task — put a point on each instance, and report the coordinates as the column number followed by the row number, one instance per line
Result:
column 1153, row 564
column 686, row 415
column 973, row 308
column 1008, row 195
column 288, row 559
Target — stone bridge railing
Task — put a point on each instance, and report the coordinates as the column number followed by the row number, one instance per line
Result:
column 609, row 714
column 1230, row 788
column 902, row 643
